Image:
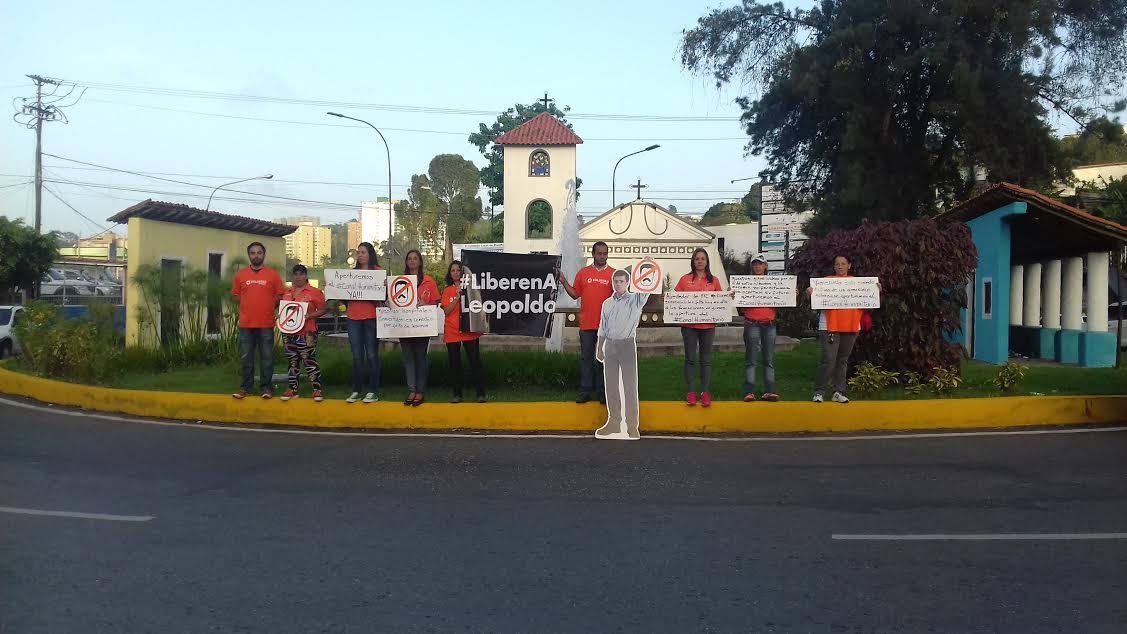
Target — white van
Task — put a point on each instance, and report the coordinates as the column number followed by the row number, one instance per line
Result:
column 9, row 315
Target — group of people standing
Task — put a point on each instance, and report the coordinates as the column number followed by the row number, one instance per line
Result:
column 259, row 288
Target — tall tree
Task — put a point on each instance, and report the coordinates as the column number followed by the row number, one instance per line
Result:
column 1101, row 141
column 454, row 180
column 419, row 218
column 743, row 212
column 885, row 109
column 493, row 174
column 25, row 255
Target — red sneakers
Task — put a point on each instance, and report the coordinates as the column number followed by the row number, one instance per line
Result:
column 749, row 397
column 705, row 399
column 771, row 397
column 691, row 398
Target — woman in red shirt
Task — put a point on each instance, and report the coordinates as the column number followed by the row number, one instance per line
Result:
column 759, row 339
column 455, row 339
column 362, row 337
column 415, row 348
column 842, row 326
column 698, row 338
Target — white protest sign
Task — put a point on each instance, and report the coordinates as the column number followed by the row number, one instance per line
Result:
column 645, row 277
column 844, row 292
column 421, row 321
column 363, row 284
column 755, row 291
column 291, row 316
column 698, row 308
column 402, row 292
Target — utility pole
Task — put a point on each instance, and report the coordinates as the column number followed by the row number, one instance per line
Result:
column 33, row 115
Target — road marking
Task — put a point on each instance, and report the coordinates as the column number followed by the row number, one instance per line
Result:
column 981, row 537
column 84, row 516
column 829, row 437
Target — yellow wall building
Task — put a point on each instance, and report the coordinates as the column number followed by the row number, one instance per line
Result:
column 179, row 240
column 310, row 243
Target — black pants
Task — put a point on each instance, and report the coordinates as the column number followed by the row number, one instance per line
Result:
column 473, row 353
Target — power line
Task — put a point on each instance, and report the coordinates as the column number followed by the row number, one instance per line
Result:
column 60, row 198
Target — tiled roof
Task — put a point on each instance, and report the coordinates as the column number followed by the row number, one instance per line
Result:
column 543, row 129
column 185, row 215
column 1002, row 194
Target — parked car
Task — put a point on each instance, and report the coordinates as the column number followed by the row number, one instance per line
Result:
column 9, row 315
column 65, row 282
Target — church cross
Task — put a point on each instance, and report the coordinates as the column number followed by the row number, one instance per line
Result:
column 546, row 100
column 639, row 187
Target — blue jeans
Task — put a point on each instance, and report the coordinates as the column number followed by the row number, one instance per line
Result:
column 263, row 340
column 759, row 338
column 365, row 355
column 590, row 370
column 698, row 348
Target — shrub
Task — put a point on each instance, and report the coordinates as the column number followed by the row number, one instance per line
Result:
column 945, row 380
column 913, row 383
column 869, row 379
column 86, row 349
column 1009, row 375
column 923, row 268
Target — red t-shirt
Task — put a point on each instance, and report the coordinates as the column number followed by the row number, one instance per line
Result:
column 258, row 293
column 428, row 292
column 593, row 287
column 690, row 283
column 361, row 308
column 452, row 332
column 763, row 313
column 843, row 319
column 312, row 296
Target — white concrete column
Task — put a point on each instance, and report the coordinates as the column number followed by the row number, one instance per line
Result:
column 1050, row 294
column 1072, row 293
column 1017, row 293
column 1095, row 300
column 1031, row 307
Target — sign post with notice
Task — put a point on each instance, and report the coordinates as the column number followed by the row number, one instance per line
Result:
column 365, row 284
column 764, row 291
column 844, row 292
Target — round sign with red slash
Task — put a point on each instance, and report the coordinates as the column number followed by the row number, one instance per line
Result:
column 646, row 276
column 291, row 317
column 401, row 292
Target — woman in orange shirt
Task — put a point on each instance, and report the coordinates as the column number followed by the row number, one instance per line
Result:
column 362, row 335
column 698, row 338
column 455, row 339
column 415, row 348
column 842, row 326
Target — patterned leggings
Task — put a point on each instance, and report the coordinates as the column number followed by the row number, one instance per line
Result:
column 299, row 351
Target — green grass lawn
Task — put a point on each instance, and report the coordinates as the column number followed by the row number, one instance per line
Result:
column 530, row 376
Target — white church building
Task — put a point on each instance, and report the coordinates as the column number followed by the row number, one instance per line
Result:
column 540, row 159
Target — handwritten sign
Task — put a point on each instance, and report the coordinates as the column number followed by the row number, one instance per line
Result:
column 355, row 284
column 421, row 321
column 291, row 317
column 645, row 277
column 764, row 290
column 698, row 308
column 844, row 292
column 402, row 292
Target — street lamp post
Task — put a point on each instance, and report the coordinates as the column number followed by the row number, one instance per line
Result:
column 615, row 170
column 390, row 205
column 264, row 177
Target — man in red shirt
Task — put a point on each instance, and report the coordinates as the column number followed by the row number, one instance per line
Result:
column 300, row 348
column 257, row 289
column 592, row 287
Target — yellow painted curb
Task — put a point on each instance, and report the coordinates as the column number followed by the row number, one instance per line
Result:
column 657, row 416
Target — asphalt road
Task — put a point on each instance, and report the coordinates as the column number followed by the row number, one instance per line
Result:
column 270, row 532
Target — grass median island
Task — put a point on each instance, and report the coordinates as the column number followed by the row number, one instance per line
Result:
column 521, row 376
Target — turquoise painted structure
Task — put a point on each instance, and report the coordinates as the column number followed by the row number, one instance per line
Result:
column 1068, row 346
column 991, row 235
column 1097, row 349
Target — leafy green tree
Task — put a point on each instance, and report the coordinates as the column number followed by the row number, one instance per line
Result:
column 742, row 212
column 454, row 180
column 493, row 175
column 1101, row 141
column 886, row 110
column 1104, row 197
column 419, row 218
column 25, row 255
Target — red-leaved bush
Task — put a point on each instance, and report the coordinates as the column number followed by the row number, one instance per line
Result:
column 923, row 267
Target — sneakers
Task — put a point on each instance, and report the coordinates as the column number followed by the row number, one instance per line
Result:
column 240, row 395
column 705, row 399
column 457, row 399
column 818, row 397
column 480, row 398
column 749, row 397
column 290, row 394
column 317, row 398
column 771, row 397
column 267, row 394
column 691, row 398
column 583, row 397
column 838, row 397
column 352, row 398
column 371, row 397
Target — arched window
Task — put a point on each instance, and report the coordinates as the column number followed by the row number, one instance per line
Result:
column 538, row 164
column 538, row 220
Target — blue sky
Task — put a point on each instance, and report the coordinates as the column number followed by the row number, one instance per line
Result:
column 597, row 57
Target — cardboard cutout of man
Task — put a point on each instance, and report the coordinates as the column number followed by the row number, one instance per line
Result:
column 617, row 350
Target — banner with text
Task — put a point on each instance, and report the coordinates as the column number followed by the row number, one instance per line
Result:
column 844, row 292
column 508, row 293
column 755, row 291
column 697, row 308
column 355, row 284
column 421, row 321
